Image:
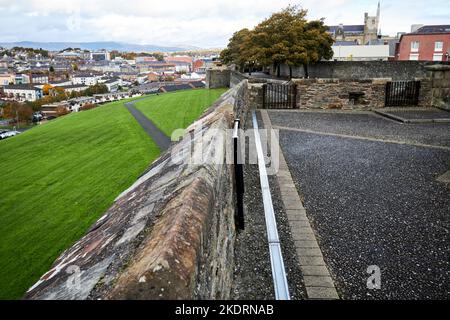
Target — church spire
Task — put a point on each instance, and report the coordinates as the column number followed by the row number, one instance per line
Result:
column 378, row 18
column 378, row 12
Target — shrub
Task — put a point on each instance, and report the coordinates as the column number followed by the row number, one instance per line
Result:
column 61, row 111
column 88, row 106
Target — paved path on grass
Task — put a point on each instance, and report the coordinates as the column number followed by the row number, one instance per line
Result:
column 149, row 127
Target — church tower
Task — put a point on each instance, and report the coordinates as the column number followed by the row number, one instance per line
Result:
column 371, row 25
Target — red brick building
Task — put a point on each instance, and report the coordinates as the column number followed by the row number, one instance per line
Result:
column 428, row 43
column 199, row 65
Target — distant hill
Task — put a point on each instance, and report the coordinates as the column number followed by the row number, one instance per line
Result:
column 107, row 45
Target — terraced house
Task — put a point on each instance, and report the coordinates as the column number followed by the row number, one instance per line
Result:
column 427, row 43
column 23, row 92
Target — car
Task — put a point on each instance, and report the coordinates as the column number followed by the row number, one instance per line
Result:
column 6, row 134
column 3, row 133
column 37, row 117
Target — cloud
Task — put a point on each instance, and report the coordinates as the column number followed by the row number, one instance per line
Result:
column 202, row 23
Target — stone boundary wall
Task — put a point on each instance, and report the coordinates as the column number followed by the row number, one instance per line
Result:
column 218, row 78
column 236, row 77
column 440, row 79
column 170, row 235
column 334, row 93
column 397, row 70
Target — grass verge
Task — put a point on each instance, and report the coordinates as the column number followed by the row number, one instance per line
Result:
column 177, row 110
column 59, row 178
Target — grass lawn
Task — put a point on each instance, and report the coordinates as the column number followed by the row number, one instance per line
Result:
column 59, row 178
column 177, row 110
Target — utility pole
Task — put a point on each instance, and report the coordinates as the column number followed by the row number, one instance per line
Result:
column 17, row 117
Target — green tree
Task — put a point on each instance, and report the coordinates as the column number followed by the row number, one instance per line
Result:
column 286, row 37
column 18, row 111
column 95, row 89
column 73, row 95
column 158, row 56
column 316, row 45
column 238, row 49
column 114, row 54
column 46, row 89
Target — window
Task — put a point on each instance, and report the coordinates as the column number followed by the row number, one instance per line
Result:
column 437, row 57
column 415, row 46
column 438, row 45
column 414, row 56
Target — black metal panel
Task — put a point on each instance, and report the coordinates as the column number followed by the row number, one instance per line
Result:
column 238, row 177
column 402, row 93
column 279, row 96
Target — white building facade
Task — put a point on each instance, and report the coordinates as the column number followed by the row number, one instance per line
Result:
column 23, row 92
column 360, row 53
column 85, row 79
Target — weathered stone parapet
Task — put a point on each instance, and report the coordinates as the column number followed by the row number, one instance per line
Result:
column 440, row 85
column 170, row 235
column 255, row 95
column 425, row 93
column 236, row 77
column 218, row 77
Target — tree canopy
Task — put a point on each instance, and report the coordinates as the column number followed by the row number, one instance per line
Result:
column 286, row 37
column 17, row 111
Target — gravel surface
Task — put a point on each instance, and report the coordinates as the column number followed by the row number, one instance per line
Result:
column 374, row 203
column 365, row 125
column 253, row 274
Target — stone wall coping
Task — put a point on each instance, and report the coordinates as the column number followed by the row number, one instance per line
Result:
column 256, row 84
column 438, row 67
column 240, row 74
column 337, row 80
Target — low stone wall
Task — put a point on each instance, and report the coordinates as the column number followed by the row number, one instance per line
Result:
column 440, row 82
column 335, row 93
column 170, row 235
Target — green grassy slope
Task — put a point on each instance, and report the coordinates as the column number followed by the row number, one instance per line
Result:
column 59, row 178
column 177, row 110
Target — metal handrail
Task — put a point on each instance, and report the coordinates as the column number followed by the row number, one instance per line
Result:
column 238, row 177
column 276, row 258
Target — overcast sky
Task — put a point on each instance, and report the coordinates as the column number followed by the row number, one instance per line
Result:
column 203, row 23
